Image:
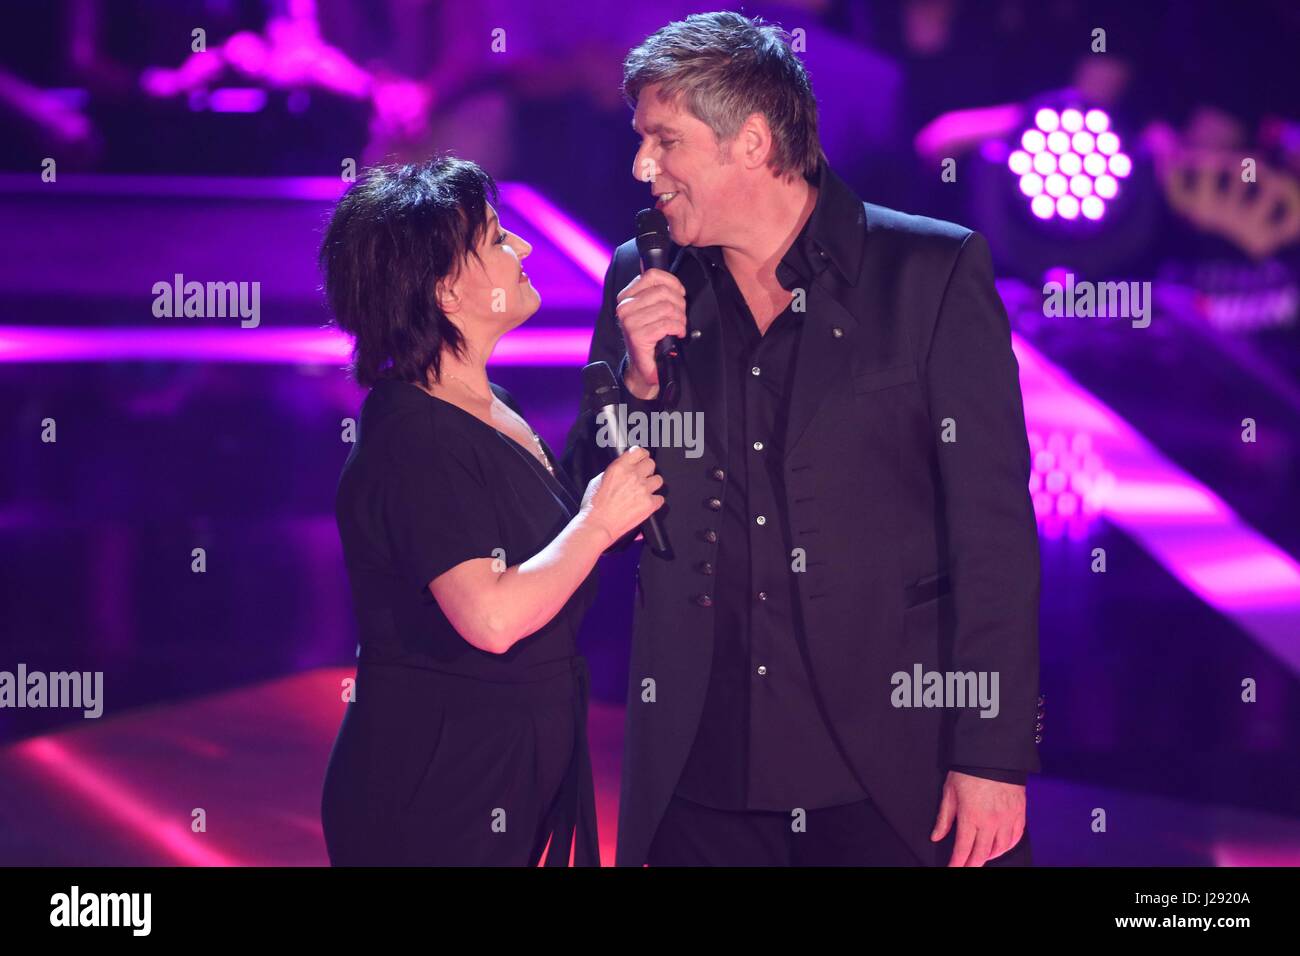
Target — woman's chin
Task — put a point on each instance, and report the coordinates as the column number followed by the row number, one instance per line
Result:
column 529, row 310
column 532, row 302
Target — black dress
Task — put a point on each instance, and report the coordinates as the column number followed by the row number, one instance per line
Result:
column 450, row 755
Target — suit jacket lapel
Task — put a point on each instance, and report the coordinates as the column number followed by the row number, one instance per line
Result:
column 702, row 355
column 823, row 359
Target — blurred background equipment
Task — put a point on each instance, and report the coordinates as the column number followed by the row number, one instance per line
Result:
column 141, row 140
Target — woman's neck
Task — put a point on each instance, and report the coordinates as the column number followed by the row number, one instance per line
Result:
column 465, row 377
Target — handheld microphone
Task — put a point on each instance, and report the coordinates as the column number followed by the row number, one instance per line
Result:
column 653, row 244
column 601, row 395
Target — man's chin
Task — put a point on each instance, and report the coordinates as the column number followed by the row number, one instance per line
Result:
column 676, row 226
column 683, row 236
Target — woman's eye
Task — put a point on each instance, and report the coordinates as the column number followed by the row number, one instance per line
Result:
column 501, row 238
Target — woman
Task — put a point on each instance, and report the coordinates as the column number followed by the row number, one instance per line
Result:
column 471, row 559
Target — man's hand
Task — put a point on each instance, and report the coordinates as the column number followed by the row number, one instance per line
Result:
column 651, row 306
column 990, row 817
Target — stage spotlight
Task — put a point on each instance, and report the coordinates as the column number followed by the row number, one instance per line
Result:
column 1077, row 163
column 1047, row 119
column 1096, row 121
column 1094, row 204
column 1068, row 482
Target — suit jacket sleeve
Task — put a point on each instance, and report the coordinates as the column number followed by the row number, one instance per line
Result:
column 583, row 458
column 972, row 379
column 992, row 773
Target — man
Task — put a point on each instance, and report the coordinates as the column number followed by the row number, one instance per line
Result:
column 837, row 661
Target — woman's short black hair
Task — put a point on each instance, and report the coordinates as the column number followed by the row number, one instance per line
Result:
column 392, row 237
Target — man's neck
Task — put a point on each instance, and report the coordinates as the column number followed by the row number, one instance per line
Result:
column 778, row 216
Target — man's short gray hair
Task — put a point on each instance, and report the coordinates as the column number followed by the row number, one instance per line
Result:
column 729, row 66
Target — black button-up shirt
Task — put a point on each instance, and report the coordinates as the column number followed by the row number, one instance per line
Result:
column 762, row 742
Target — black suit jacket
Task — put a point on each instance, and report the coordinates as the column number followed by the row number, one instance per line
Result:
column 918, row 550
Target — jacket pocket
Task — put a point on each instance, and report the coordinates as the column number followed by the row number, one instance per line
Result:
column 874, row 381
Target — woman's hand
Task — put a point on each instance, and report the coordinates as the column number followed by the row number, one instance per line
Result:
column 623, row 495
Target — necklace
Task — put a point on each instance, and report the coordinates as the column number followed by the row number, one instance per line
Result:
column 540, row 454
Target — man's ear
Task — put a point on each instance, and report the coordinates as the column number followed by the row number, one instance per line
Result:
column 755, row 140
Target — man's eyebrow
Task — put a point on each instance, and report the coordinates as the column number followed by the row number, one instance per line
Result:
column 655, row 128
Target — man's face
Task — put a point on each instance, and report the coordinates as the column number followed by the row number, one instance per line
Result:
column 682, row 157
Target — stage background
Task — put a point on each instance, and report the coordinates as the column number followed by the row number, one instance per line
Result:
column 1172, row 446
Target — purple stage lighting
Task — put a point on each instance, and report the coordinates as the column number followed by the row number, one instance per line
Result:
column 1069, row 164
column 1068, row 482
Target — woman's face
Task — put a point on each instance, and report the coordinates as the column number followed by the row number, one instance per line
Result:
column 494, row 289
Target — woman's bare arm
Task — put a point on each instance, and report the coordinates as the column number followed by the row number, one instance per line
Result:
column 494, row 608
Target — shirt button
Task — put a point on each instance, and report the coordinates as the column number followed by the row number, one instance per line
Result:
column 696, row 333
column 758, row 446
column 711, row 536
column 714, row 504
column 703, row 600
column 718, row 474
column 838, row 333
column 762, row 595
column 755, row 370
column 761, row 519
column 762, row 670
column 706, row 567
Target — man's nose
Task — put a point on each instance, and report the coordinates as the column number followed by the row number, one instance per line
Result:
column 644, row 167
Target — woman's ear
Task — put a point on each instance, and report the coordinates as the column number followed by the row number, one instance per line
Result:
column 447, row 297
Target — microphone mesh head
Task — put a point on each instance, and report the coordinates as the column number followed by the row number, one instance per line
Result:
column 599, row 387
column 651, row 230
